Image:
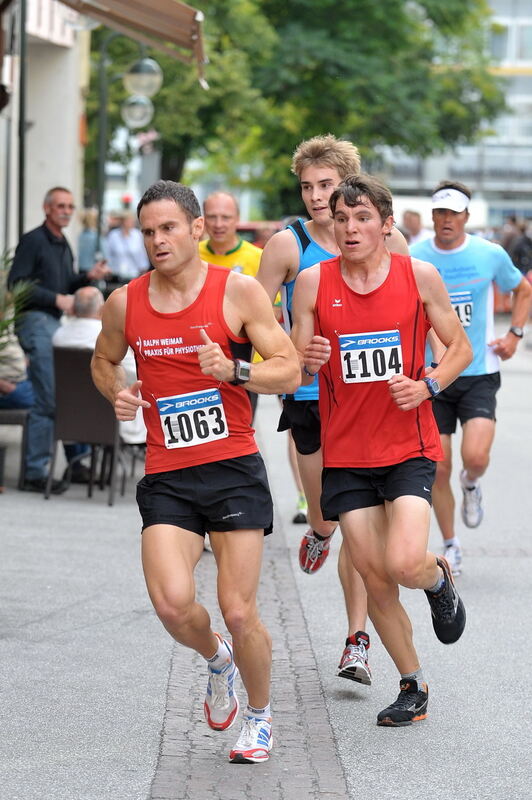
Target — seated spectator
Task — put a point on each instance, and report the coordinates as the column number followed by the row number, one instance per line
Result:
column 126, row 253
column 81, row 330
column 16, row 390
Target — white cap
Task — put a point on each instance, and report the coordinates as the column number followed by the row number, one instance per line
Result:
column 449, row 198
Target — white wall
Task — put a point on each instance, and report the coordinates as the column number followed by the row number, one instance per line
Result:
column 53, row 113
column 56, row 73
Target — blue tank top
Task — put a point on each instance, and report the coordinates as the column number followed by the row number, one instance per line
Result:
column 310, row 253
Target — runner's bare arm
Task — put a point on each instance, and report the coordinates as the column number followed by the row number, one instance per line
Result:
column 313, row 351
column 279, row 262
column 111, row 347
column 437, row 347
column 248, row 309
column 408, row 393
column 396, row 242
column 506, row 345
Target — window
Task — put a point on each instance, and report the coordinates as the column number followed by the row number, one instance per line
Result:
column 499, row 42
column 524, row 43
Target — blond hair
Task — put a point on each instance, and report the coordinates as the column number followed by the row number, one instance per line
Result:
column 327, row 150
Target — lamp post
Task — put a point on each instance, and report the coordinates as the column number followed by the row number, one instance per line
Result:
column 143, row 79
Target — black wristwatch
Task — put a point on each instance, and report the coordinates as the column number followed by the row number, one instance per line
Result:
column 242, row 372
column 519, row 332
column 433, row 386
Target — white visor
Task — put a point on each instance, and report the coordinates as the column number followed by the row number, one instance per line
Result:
column 451, row 199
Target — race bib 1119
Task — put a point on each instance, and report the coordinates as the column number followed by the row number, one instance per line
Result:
column 462, row 302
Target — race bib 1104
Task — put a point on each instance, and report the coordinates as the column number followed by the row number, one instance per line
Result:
column 191, row 419
column 373, row 356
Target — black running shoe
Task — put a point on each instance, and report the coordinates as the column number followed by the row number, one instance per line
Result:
column 448, row 612
column 410, row 706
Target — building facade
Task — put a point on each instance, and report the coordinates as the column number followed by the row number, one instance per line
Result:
column 56, row 74
column 499, row 169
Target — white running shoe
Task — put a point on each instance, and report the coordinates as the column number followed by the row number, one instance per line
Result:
column 354, row 662
column 254, row 743
column 472, row 511
column 221, row 703
column 453, row 554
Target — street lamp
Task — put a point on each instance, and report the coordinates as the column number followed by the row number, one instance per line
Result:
column 136, row 111
column 143, row 79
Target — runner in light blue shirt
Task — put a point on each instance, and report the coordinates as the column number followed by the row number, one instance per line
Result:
column 469, row 265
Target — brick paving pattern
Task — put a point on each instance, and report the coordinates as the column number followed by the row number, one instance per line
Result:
column 193, row 761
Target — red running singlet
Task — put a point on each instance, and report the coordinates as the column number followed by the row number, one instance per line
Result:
column 373, row 336
column 194, row 418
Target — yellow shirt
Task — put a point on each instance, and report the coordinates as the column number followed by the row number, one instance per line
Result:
column 245, row 257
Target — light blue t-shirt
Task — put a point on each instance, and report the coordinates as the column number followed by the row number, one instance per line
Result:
column 310, row 253
column 468, row 273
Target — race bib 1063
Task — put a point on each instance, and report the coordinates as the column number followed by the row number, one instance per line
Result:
column 462, row 302
column 191, row 419
column 374, row 356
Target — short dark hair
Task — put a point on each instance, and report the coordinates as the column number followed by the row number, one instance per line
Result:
column 182, row 196
column 460, row 187
column 356, row 186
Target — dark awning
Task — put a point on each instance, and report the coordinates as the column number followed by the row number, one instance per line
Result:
column 167, row 25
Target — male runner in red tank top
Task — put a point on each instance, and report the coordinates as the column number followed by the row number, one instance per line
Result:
column 188, row 322
column 361, row 320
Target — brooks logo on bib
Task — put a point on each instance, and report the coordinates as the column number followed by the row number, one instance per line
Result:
column 374, row 356
column 191, row 419
column 462, row 302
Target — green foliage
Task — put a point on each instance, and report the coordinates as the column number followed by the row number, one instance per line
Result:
column 11, row 301
column 188, row 118
column 403, row 74
column 406, row 74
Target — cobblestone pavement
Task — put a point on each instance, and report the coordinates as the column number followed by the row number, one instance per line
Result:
column 304, row 763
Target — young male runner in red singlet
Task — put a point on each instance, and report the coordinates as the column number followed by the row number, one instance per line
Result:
column 191, row 326
column 320, row 164
column 361, row 321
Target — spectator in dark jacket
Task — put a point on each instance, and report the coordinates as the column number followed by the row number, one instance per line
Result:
column 44, row 258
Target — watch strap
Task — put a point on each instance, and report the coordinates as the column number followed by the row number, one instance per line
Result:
column 517, row 331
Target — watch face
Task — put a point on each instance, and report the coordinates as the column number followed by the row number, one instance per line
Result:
column 243, row 371
column 433, row 386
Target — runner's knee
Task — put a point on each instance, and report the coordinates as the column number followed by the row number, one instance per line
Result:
column 173, row 608
column 239, row 616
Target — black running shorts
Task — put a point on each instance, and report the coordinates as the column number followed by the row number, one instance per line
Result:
column 468, row 397
column 348, row 488
column 220, row 496
column 303, row 419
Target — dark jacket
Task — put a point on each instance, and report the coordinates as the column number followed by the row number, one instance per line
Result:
column 47, row 261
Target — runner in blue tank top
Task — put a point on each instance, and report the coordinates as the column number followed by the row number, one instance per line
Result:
column 320, row 164
column 469, row 265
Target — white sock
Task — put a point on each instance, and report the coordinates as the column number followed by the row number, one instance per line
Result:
column 416, row 676
column 467, row 481
column 454, row 542
column 258, row 713
column 221, row 658
column 439, row 583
